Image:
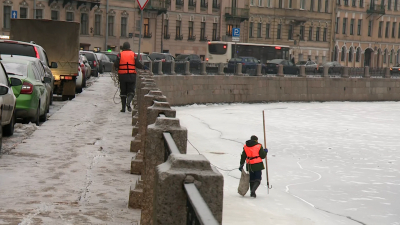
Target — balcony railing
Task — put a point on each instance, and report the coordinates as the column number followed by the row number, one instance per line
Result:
column 216, row 38
column 204, row 38
column 376, row 9
column 161, row 6
column 167, row 36
column 179, row 37
column 192, row 38
column 147, row 35
column 204, row 4
column 237, row 13
column 192, row 3
column 216, row 5
column 179, row 2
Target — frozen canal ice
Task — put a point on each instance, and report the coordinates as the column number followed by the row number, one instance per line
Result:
column 329, row 163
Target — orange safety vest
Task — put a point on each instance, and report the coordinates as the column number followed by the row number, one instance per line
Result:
column 253, row 156
column 127, row 62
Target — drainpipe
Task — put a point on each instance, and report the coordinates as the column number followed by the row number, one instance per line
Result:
column 162, row 31
column 106, row 34
column 333, row 26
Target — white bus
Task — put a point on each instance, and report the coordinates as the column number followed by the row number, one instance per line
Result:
column 222, row 51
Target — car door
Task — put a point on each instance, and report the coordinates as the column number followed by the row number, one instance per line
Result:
column 8, row 99
column 48, row 87
column 40, row 87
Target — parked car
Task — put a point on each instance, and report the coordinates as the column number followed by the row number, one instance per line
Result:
column 111, row 55
column 93, row 62
column 194, row 60
column 164, row 57
column 32, row 102
column 11, row 47
column 311, row 66
column 288, row 66
column 105, row 62
column 85, row 67
column 249, row 65
column 7, row 102
column 334, row 67
column 80, row 81
column 395, row 69
column 144, row 59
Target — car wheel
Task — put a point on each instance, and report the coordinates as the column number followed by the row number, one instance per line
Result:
column 84, row 81
column 96, row 73
column 51, row 98
column 43, row 117
column 104, row 69
column 1, row 138
column 36, row 120
column 79, row 90
column 8, row 129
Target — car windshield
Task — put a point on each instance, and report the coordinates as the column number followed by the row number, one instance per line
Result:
column 276, row 61
column 89, row 56
column 156, row 56
column 17, row 49
column 301, row 63
column 112, row 57
column 181, row 57
column 16, row 69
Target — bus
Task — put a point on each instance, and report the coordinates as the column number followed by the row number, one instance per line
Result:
column 222, row 51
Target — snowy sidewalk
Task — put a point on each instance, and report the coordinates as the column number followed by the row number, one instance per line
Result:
column 75, row 168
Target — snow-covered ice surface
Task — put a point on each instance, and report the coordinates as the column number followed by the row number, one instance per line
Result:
column 75, row 168
column 329, row 163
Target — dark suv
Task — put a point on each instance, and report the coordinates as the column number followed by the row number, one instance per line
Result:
column 194, row 60
column 164, row 57
column 11, row 47
column 93, row 62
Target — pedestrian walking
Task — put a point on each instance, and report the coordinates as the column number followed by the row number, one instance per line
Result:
column 293, row 60
column 253, row 154
column 126, row 66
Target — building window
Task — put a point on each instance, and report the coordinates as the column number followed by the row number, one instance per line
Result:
column 259, row 30
column 229, row 28
column 310, row 34
column 302, row 4
column 389, row 4
column 319, row 5
column 369, row 28
column 280, row 4
column 394, row 30
column 384, row 56
column 251, row 29
column 337, row 25
column 290, row 32
column 203, row 31
column 267, row 28
column 84, row 23
column 39, row 13
column 346, row 2
column 351, row 26
column 343, row 55
column 380, row 29
column 6, row 17
column 260, row 2
column 124, row 22
column 97, row 24
column 358, row 55
column 190, row 30
column 395, row 4
column 351, row 54
column 317, row 34
column 278, row 31
column 111, row 25
column 302, row 32
column 387, row 29
column 166, row 25
column 178, row 30
column 391, row 56
column 326, row 6
column 23, row 13
column 324, row 35
column 344, row 28
column 311, row 5
column 290, row 4
column 353, row 3
column 146, row 27
column 54, row 15
column 214, row 32
column 359, row 27
column 70, row 16
column 361, row 3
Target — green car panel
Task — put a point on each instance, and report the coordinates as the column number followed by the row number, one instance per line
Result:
column 27, row 104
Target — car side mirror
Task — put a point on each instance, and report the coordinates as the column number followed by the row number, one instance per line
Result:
column 53, row 65
column 47, row 80
column 259, row 61
column 15, row 82
column 3, row 90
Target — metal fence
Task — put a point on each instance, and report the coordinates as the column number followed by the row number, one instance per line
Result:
column 377, row 72
column 356, row 71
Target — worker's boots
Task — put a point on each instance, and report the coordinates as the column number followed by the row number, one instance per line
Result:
column 253, row 188
column 123, row 103
column 128, row 103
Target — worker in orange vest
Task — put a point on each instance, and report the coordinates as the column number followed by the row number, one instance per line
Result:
column 126, row 66
column 253, row 153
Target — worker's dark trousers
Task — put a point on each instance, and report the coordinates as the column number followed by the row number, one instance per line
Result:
column 127, row 85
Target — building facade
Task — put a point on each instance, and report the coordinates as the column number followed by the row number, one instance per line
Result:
column 367, row 33
column 174, row 26
column 304, row 25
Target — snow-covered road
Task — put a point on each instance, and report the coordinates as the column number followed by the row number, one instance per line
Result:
column 75, row 168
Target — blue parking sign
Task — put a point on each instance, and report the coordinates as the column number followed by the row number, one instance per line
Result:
column 14, row 14
column 236, row 32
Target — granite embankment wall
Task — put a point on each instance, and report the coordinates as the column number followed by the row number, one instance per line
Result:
column 189, row 89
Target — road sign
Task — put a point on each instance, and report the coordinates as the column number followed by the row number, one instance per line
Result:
column 236, row 32
column 142, row 3
column 14, row 14
column 235, row 39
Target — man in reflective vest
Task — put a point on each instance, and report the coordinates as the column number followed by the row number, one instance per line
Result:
column 253, row 153
column 126, row 66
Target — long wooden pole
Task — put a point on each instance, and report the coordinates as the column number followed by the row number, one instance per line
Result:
column 265, row 145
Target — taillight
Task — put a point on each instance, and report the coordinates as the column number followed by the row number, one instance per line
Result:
column 94, row 63
column 206, row 59
column 82, row 65
column 162, row 60
column 37, row 53
column 79, row 69
column 243, row 64
column 27, row 88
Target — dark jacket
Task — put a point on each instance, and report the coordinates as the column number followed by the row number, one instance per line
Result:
column 137, row 62
column 257, row 166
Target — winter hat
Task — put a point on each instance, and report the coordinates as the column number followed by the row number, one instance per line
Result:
column 254, row 138
column 126, row 46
